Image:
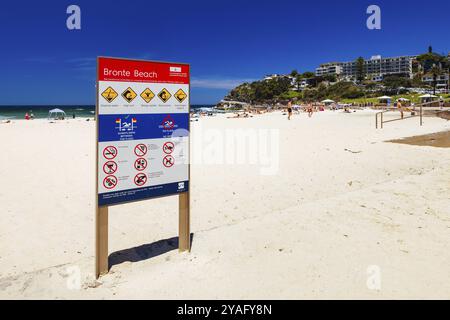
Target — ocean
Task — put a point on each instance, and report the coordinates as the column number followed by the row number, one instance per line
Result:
column 41, row 112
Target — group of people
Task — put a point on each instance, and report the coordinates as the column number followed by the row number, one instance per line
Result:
column 29, row 116
column 309, row 108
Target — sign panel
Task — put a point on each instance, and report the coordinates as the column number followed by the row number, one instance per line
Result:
column 142, row 128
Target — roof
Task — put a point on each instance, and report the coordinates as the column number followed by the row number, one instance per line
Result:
column 56, row 110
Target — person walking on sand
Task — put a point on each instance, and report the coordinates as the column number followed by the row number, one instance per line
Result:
column 289, row 110
column 310, row 110
column 399, row 106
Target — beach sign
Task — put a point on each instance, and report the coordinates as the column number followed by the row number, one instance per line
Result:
column 142, row 141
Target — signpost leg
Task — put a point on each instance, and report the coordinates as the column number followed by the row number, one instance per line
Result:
column 101, row 242
column 184, row 240
column 421, row 116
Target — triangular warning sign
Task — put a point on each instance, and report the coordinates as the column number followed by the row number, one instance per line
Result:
column 147, row 95
column 109, row 94
column 129, row 94
column 164, row 95
column 180, row 95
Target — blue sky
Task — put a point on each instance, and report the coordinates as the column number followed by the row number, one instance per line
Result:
column 226, row 42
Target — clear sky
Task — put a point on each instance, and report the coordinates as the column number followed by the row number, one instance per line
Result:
column 226, row 42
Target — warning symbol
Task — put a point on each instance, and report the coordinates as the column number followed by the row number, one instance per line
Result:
column 168, row 122
column 129, row 94
column 140, row 179
column 109, row 94
column 110, row 182
column 168, row 147
column 140, row 164
column 180, row 95
column 110, row 167
column 164, row 95
column 147, row 95
column 168, row 161
column 110, row 152
column 140, row 150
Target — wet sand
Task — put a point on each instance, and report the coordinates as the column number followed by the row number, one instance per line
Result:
column 439, row 140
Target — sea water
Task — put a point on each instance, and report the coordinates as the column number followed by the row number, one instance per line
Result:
column 41, row 112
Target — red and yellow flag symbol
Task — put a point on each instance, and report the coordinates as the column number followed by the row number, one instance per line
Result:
column 118, row 120
column 133, row 120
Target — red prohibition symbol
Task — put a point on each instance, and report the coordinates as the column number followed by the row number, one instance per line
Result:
column 110, row 182
column 110, row 167
column 140, row 164
column 168, row 161
column 140, row 179
column 168, row 147
column 140, row 150
column 110, row 152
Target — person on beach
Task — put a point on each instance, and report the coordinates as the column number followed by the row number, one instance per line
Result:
column 310, row 110
column 399, row 106
column 27, row 117
column 289, row 110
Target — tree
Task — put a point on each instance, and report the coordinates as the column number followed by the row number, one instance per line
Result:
column 360, row 69
column 308, row 74
column 435, row 71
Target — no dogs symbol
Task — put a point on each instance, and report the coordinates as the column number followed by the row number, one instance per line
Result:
column 168, row 161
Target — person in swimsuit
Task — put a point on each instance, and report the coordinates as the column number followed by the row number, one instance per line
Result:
column 399, row 106
column 310, row 110
column 289, row 110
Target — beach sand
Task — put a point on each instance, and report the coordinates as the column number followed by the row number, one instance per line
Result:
column 342, row 204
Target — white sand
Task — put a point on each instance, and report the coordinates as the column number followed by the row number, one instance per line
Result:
column 310, row 231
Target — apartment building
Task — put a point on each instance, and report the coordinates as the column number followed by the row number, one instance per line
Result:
column 375, row 68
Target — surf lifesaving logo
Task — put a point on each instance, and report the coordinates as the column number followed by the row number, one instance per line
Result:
column 126, row 127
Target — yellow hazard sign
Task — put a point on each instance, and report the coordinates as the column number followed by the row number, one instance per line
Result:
column 129, row 94
column 180, row 95
column 164, row 95
column 147, row 95
column 109, row 94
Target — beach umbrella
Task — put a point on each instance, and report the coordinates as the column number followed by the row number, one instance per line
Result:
column 403, row 99
column 384, row 98
column 428, row 96
column 328, row 101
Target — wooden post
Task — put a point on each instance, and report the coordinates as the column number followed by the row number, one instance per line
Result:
column 376, row 120
column 101, row 241
column 421, row 115
column 184, row 234
column 381, row 120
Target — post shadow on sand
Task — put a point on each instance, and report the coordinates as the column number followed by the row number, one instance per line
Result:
column 144, row 252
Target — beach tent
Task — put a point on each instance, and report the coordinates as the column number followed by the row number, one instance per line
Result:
column 328, row 101
column 427, row 97
column 56, row 114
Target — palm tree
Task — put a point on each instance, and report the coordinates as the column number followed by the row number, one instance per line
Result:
column 360, row 69
column 435, row 71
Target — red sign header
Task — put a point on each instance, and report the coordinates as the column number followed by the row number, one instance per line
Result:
column 115, row 69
